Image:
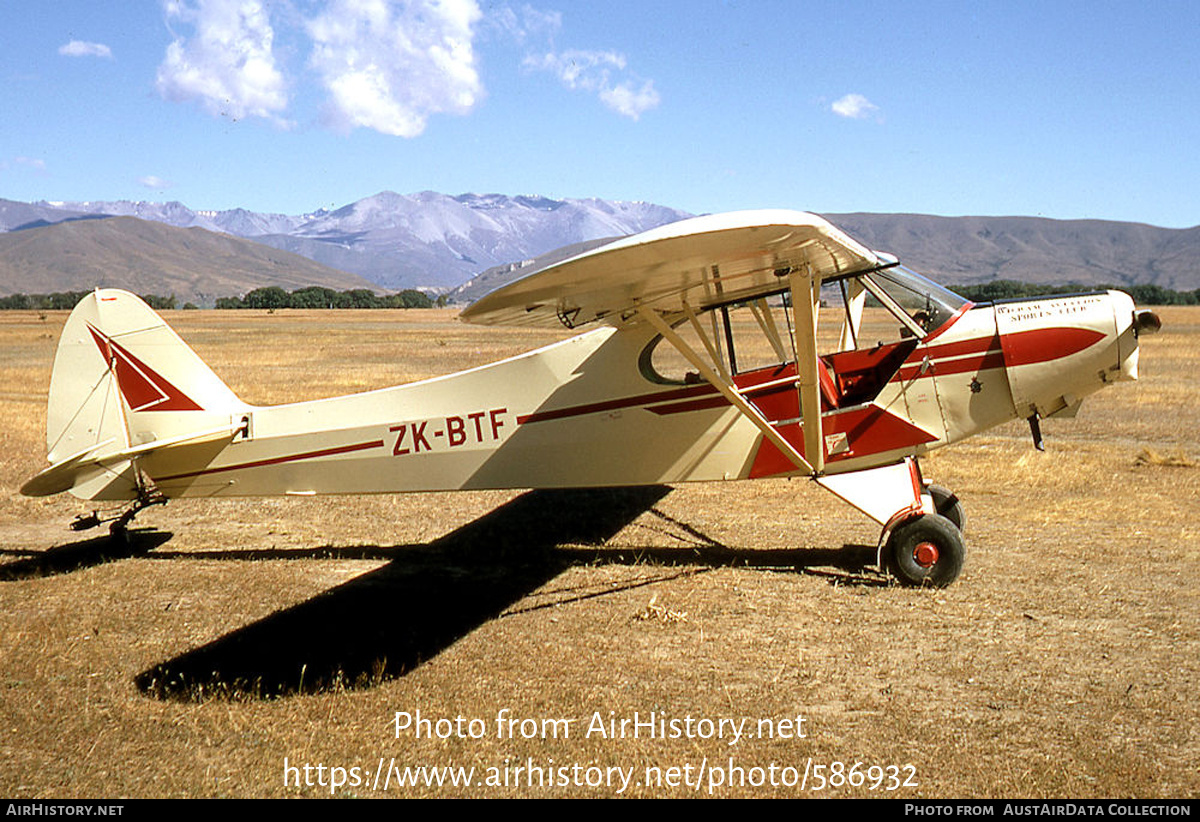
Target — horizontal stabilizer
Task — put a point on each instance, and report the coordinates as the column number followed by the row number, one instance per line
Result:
column 64, row 475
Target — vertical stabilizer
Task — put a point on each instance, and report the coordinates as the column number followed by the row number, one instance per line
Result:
column 123, row 379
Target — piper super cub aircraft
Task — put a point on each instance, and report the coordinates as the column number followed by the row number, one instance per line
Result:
column 134, row 414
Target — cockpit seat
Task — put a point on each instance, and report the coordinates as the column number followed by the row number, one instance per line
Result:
column 831, row 393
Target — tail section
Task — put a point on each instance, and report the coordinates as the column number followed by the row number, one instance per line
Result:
column 124, row 384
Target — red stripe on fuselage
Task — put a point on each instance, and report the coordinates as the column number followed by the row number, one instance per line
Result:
column 752, row 383
column 612, row 405
column 308, row 455
column 1045, row 344
column 959, row 348
column 1029, row 347
column 967, row 364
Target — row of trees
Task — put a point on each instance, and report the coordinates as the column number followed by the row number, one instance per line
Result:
column 66, row 300
column 317, row 297
column 1009, row 289
column 273, row 297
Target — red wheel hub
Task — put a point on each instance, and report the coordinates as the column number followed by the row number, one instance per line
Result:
column 925, row 554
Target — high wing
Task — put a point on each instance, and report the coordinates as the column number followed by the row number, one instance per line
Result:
column 692, row 264
column 680, row 269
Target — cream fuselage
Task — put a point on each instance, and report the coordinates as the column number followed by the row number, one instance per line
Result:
column 587, row 412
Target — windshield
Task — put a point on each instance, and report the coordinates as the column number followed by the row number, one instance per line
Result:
column 926, row 302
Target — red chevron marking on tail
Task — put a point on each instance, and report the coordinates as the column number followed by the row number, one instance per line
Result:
column 144, row 388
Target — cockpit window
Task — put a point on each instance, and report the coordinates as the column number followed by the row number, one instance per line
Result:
column 743, row 337
column 883, row 312
column 927, row 303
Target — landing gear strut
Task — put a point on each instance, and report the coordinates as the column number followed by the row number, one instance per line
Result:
column 119, row 527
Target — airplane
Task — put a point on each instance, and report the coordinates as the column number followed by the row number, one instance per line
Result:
column 658, row 387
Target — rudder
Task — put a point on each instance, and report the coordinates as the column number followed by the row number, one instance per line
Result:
column 122, row 379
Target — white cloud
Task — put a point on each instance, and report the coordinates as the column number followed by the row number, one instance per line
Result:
column 38, row 165
column 626, row 101
column 528, row 22
column 227, row 63
column 588, row 70
column 388, row 65
column 82, row 48
column 158, row 183
column 854, row 106
column 594, row 71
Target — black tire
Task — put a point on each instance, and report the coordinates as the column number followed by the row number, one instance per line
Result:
column 928, row 551
column 947, row 503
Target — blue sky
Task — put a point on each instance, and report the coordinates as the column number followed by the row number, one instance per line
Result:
column 1055, row 109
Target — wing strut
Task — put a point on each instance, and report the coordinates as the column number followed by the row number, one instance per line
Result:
column 762, row 313
column 854, row 296
column 806, row 296
column 714, row 353
column 726, row 387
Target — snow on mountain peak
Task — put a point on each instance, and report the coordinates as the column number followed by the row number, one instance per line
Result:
column 407, row 240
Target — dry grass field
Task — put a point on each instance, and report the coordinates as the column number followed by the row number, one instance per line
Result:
column 234, row 643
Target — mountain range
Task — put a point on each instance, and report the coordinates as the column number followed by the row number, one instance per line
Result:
column 975, row 250
column 439, row 242
column 425, row 240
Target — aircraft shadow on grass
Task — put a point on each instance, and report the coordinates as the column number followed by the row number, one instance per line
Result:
column 76, row 556
column 385, row 623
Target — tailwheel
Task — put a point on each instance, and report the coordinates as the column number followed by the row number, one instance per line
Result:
column 926, row 550
column 119, row 527
column 947, row 503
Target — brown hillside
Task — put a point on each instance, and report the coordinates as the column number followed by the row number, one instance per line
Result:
column 973, row 250
column 152, row 258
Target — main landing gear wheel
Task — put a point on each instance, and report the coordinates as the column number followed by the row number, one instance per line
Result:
column 927, row 550
column 947, row 503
